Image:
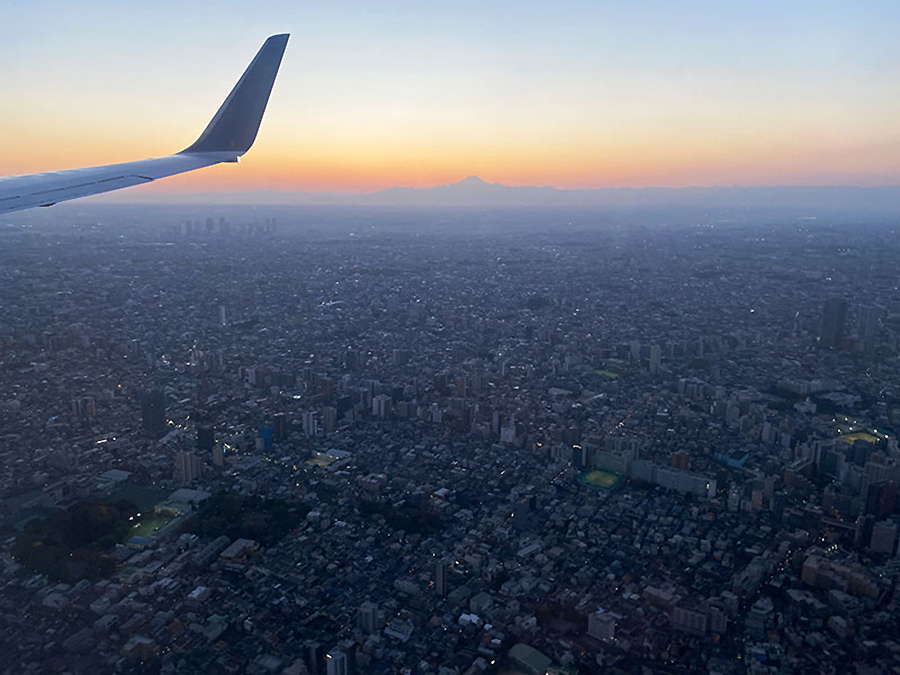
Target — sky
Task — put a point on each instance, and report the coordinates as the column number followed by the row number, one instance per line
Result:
column 378, row 94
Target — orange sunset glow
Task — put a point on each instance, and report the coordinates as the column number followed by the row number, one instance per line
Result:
column 583, row 100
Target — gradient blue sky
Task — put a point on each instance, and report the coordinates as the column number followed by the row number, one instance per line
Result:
column 571, row 94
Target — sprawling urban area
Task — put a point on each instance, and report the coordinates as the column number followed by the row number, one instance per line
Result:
column 443, row 442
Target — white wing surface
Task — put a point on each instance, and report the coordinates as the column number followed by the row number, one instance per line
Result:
column 229, row 135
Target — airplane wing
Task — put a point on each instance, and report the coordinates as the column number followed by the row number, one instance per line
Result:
column 229, row 135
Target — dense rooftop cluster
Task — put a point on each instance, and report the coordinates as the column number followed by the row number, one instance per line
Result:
column 497, row 441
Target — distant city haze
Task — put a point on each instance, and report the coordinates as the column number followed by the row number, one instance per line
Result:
column 476, row 192
column 580, row 95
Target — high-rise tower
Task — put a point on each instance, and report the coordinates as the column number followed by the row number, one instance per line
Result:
column 153, row 412
column 834, row 317
column 440, row 577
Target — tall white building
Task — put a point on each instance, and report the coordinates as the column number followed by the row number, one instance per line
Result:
column 336, row 663
column 884, row 534
column 329, row 418
column 440, row 578
column 381, row 405
column 309, row 423
column 635, row 348
column 84, row 406
column 187, row 467
column 655, row 354
column 367, row 618
column 602, row 625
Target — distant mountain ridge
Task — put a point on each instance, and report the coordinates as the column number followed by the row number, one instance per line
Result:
column 473, row 191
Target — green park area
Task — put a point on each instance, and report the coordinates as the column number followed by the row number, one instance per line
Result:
column 144, row 497
column 264, row 520
column 607, row 373
column 71, row 544
column 859, row 436
column 597, row 478
column 417, row 519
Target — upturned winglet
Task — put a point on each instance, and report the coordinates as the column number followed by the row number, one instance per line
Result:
column 228, row 136
column 234, row 126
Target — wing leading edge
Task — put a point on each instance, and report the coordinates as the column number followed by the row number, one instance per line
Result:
column 229, row 135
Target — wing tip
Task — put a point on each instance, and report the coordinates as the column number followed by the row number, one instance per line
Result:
column 236, row 123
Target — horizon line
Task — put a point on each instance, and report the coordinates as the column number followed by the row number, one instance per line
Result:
column 486, row 183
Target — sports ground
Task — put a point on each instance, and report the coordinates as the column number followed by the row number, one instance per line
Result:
column 597, row 478
column 150, row 526
column 859, row 436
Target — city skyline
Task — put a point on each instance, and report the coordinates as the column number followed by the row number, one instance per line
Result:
column 429, row 441
column 585, row 96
